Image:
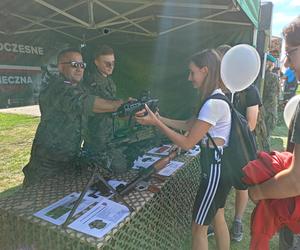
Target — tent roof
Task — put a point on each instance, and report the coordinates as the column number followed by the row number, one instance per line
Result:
column 87, row 20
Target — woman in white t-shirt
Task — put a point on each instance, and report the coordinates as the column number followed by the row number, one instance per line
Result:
column 214, row 117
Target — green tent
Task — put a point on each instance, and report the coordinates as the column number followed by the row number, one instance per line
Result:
column 152, row 38
column 251, row 9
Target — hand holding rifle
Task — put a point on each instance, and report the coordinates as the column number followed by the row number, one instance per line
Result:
column 149, row 119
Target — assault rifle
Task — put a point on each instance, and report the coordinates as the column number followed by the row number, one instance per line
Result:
column 157, row 166
column 146, row 173
column 135, row 132
column 96, row 176
column 131, row 107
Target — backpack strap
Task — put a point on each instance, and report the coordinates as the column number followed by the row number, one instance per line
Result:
column 220, row 97
column 217, row 96
column 215, row 145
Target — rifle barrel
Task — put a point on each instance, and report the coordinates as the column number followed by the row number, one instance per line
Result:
column 157, row 166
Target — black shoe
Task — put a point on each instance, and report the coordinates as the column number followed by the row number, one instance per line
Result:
column 210, row 231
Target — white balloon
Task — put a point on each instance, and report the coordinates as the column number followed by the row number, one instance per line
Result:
column 240, row 67
column 290, row 109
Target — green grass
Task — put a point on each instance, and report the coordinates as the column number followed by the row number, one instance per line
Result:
column 298, row 90
column 16, row 135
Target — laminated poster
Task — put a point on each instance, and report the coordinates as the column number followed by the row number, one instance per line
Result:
column 101, row 219
column 58, row 212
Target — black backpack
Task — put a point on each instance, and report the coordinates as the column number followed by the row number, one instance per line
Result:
column 241, row 146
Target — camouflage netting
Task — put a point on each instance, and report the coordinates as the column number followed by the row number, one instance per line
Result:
column 160, row 221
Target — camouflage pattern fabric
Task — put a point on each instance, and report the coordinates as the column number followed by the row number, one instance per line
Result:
column 98, row 130
column 58, row 137
column 270, row 100
column 161, row 221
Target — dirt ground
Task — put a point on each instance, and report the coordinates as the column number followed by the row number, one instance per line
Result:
column 33, row 110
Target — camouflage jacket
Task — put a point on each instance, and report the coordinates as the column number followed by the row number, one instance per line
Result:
column 270, row 100
column 58, row 136
column 271, row 90
column 98, row 127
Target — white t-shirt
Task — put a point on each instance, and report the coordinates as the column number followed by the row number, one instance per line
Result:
column 217, row 113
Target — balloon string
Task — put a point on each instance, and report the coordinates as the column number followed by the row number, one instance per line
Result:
column 232, row 96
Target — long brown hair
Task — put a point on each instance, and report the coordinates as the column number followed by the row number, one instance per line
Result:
column 208, row 58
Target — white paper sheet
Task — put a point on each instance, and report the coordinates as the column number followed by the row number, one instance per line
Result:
column 145, row 161
column 58, row 212
column 170, row 168
column 115, row 183
column 194, row 151
column 100, row 219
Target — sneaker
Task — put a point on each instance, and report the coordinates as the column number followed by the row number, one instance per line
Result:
column 237, row 231
column 210, row 231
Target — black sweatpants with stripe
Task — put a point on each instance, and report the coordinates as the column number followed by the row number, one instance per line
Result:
column 214, row 186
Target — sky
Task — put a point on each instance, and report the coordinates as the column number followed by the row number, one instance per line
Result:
column 284, row 11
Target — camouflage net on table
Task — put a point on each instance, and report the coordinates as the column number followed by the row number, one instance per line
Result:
column 160, row 221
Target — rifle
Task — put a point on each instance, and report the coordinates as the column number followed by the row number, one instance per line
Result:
column 129, row 134
column 95, row 176
column 145, row 173
column 131, row 107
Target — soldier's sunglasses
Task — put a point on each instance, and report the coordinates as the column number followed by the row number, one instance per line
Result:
column 75, row 64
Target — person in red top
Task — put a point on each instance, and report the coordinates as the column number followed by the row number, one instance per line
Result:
column 286, row 183
column 276, row 212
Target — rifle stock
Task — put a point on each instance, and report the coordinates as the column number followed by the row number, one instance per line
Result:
column 161, row 163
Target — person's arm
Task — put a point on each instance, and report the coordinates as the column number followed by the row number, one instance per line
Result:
column 104, row 106
column 177, row 124
column 251, row 115
column 197, row 132
column 283, row 185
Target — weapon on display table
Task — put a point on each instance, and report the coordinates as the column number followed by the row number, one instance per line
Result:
column 130, row 136
column 146, row 173
column 95, row 176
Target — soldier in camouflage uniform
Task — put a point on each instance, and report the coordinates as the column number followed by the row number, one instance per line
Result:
column 99, row 130
column 62, row 102
column 271, row 95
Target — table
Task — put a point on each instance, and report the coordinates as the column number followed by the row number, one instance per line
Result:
column 160, row 221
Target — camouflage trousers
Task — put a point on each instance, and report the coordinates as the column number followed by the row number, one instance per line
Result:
column 271, row 119
column 39, row 169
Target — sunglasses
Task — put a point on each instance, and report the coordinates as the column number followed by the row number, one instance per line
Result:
column 76, row 65
column 109, row 64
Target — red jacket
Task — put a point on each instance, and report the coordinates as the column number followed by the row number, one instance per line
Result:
column 270, row 215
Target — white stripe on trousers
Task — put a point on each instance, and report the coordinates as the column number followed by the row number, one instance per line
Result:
column 210, row 192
